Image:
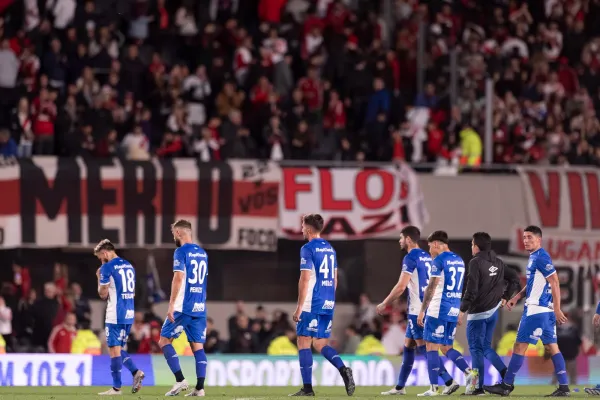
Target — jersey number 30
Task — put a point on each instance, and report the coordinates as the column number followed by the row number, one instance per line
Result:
column 324, row 267
column 198, row 272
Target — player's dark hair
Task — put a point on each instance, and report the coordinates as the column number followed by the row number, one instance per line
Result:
column 438, row 236
column 536, row 230
column 314, row 220
column 412, row 232
column 483, row 240
column 182, row 223
column 104, row 244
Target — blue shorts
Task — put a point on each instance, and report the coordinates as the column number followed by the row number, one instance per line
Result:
column 116, row 334
column 537, row 326
column 439, row 331
column 194, row 328
column 413, row 330
column 314, row 325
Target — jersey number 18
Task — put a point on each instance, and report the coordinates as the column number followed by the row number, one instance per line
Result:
column 127, row 280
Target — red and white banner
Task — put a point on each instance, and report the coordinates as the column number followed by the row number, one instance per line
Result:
column 355, row 203
column 565, row 203
column 63, row 202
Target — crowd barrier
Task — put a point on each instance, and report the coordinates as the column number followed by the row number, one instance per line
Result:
column 253, row 370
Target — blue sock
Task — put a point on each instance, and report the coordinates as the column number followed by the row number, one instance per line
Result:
column 560, row 369
column 306, row 362
column 433, row 366
column 422, row 350
column 173, row 361
column 478, row 363
column 408, row 360
column 446, row 377
column 128, row 362
column 201, row 363
column 115, row 371
column 495, row 359
column 332, row 356
column 516, row 361
column 458, row 359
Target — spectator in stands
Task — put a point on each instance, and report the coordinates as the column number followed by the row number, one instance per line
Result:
column 81, row 305
column 283, row 345
column 393, row 338
column 353, row 339
column 365, row 311
column 8, row 147
column 569, row 342
column 244, row 340
column 6, row 316
column 44, row 312
column 140, row 330
column 62, row 336
column 149, row 345
column 213, row 343
column 240, row 309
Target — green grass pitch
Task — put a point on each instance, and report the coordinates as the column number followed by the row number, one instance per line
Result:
column 240, row 393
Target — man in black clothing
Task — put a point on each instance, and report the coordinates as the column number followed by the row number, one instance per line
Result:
column 489, row 285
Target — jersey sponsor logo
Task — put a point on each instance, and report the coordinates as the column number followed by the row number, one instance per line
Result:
column 453, row 312
column 439, row 332
column 324, row 250
column 122, row 266
column 192, row 255
column 457, row 262
column 198, row 307
column 425, row 259
column 312, row 326
column 549, row 267
column 493, row 270
column 328, row 305
column 536, row 334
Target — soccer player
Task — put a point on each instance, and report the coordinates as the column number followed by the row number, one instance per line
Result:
column 316, row 304
column 187, row 307
column 116, row 283
column 485, row 293
column 442, row 302
column 414, row 276
column 540, row 315
column 595, row 391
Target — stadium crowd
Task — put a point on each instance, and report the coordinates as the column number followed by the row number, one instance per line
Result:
column 299, row 79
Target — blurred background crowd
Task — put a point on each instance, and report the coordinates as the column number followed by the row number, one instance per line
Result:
column 301, row 79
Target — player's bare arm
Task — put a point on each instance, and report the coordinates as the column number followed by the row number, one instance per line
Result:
column 555, row 288
column 513, row 301
column 302, row 292
column 102, row 289
column 335, row 280
column 433, row 281
column 395, row 293
column 175, row 287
